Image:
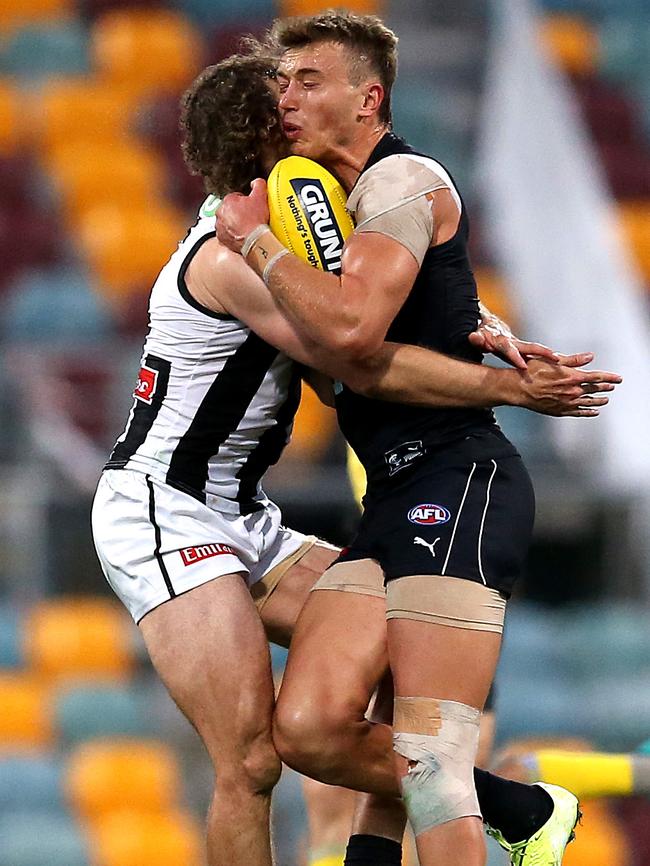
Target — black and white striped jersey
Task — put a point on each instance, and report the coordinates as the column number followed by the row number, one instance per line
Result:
column 214, row 404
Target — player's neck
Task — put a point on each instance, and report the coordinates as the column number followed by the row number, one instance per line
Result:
column 347, row 161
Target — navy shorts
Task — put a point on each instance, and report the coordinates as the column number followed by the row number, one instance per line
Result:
column 465, row 511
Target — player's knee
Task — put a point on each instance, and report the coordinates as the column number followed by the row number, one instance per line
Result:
column 308, row 739
column 261, row 768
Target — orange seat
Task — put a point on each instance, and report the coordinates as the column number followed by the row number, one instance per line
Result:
column 494, row 293
column 147, row 49
column 106, row 172
column 634, row 218
column 69, row 112
column 15, row 14
column 127, row 247
column 311, row 7
column 313, row 429
column 600, row 839
column 11, row 128
column 571, row 42
column 79, row 638
column 25, row 715
column 136, row 839
column 104, row 776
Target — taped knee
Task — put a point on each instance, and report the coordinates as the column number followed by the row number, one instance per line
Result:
column 439, row 739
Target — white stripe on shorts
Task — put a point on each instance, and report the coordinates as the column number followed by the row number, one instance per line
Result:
column 453, row 533
column 480, row 534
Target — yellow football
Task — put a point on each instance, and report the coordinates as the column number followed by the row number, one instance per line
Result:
column 307, row 212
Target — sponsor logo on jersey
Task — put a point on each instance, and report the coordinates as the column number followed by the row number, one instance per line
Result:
column 421, row 541
column 146, row 385
column 429, row 515
column 403, row 455
column 324, row 241
column 190, row 555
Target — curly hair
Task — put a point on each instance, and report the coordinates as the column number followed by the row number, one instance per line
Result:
column 229, row 120
column 371, row 44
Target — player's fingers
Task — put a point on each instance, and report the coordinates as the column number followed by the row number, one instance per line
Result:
column 512, row 354
column 258, row 188
column 477, row 340
column 597, row 387
column 592, row 376
column 537, row 350
column 590, row 402
column 577, row 360
column 581, row 413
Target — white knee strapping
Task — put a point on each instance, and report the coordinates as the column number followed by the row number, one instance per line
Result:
column 439, row 784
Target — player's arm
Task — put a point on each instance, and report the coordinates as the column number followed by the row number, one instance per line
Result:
column 495, row 336
column 223, row 283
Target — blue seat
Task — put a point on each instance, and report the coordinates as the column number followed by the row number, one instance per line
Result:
column 228, row 12
column 31, row 783
column 32, row 839
column 53, row 307
column 85, row 712
column 625, row 48
column 41, row 52
column 11, row 651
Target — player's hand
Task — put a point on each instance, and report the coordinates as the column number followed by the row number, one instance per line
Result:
column 493, row 336
column 562, row 389
column 239, row 214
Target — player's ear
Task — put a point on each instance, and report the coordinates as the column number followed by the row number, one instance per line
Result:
column 372, row 98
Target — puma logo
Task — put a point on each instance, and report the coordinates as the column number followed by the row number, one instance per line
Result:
column 418, row 540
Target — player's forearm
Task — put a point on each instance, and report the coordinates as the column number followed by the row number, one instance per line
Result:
column 312, row 300
column 410, row 374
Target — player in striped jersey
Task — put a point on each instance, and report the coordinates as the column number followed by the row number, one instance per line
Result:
column 180, row 502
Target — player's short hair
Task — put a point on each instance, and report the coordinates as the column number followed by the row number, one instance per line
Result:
column 229, row 118
column 371, row 44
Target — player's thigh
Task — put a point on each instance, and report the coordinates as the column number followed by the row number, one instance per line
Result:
column 280, row 609
column 338, row 652
column 210, row 650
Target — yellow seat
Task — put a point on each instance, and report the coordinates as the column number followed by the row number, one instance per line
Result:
column 494, row 293
column 15, row 13
column 311, row 7
column 69, row 112
column 634, row 219
column 127, row 247
column 11, row 127
column 136, row 839
column 571, row 42
column 146, row 49
column 25, row 714
column 91, row 174
column 79, row 638
column 313, row 429
column 105, row 776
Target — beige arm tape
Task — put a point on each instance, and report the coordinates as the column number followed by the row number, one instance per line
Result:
column 264, row 248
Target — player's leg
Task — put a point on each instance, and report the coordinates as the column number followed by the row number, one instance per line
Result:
column 209, row 648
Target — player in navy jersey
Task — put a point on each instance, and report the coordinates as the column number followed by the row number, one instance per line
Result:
column 449, row 508
column 181, row 523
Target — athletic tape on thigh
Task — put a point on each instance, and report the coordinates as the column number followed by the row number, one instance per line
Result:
column 450, row 601
column 362, row 576
column 439, row 739
column 262, row 590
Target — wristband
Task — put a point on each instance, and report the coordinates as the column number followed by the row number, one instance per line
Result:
column 272, row 262
column 254, row 236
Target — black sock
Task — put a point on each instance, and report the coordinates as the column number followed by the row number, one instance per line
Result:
column 372, row 851
column 515, row 809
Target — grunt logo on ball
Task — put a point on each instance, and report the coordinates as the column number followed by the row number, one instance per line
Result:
column 324, row 241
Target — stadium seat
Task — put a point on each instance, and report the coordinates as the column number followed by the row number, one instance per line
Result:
column 32, row 839
column 634, row 219
column 627, row 169
column 107, row 234
column 313, row 430
column 90, row 10
column 624, row 48
column 11, row 125
column 37, row 52
column 228, row 13
column 54, row 306
column 571, row 42
column 608, row 111
column 70, row 112
column 226, row 38
column 25, row 720
column 600, row 840
column 31, row 782
column 494, row 293
column 122, row 775
column 106, row 172
column 310, row 7
column 13, row 14
column 148, row 50
column 132, row 839
column 92, row 711
column 11, row 626
column 74, row 638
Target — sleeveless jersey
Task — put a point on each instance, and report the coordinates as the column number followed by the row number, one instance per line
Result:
column 214, row 404
column 439, row 313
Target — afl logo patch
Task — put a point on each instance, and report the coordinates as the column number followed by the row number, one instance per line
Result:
column 429, row 515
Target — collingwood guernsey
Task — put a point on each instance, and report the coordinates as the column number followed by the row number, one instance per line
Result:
column 214, row 404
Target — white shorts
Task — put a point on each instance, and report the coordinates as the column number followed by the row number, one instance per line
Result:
column 155, row 542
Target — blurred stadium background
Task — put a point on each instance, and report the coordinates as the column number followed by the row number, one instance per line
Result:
column 543, row 116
